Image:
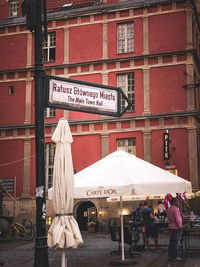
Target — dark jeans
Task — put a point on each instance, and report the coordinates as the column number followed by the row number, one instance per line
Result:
column 173, row 243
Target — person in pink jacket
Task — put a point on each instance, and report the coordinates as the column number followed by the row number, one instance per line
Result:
column 175, row 226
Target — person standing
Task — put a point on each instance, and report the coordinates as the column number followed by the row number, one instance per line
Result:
column 175, row 226
column 134, row 214
column 161, row 207
column 140, row 207
column 150, row 227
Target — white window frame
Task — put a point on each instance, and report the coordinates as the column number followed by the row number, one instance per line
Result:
column 13, row 8
column 49, row 112
column 49, row 164
column 127, row 144
column 49, row 47
column 126, row 81
column 125, row 37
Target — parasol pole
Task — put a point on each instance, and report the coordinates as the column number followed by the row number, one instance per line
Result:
column 64, row 260
column 122, row 229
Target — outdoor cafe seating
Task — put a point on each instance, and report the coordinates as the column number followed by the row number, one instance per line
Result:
column 134, row 235
column 115, row 233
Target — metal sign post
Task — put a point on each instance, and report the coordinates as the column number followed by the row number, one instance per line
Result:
column 33, row 11
column 41, row 248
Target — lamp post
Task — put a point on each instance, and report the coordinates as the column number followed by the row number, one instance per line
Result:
column 33, row 11
column 41, row 248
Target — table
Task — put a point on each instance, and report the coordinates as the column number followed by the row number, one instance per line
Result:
column 191, row 236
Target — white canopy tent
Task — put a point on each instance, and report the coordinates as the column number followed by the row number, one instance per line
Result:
column 121, row 174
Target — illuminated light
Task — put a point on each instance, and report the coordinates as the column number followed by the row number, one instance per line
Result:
column 124, row 212
column 48, row 220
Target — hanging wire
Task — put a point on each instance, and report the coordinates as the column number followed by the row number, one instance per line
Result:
column 13, row 162
column 19, row 160
column 10, row 195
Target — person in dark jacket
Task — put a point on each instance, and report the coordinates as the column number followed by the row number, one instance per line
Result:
column 150, row 227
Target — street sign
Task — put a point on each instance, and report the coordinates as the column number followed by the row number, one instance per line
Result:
column 7, row 185
column 69, row 94
column 166, row 146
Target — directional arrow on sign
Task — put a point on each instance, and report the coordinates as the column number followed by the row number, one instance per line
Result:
column 69, row 94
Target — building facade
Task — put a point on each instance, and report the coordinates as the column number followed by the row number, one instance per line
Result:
column 148, row 48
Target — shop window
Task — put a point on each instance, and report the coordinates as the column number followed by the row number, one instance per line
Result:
column 13, row 8
column 127, row 83
column 49, row 48
column 49, row 163
column 127, row 145
column 49, row 112
column 125, row 37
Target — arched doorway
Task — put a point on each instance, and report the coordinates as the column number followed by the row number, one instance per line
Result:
column 82, row 213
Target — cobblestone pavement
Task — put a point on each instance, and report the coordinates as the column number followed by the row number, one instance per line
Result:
column 94, row 252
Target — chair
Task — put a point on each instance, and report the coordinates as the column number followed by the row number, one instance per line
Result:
column 115, row 236
column 128, row 239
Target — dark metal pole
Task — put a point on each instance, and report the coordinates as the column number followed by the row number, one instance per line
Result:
column 41, row 248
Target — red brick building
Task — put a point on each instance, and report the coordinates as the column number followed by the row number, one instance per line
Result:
column 148, row 48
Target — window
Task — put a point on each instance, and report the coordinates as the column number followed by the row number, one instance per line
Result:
column 49, row 162
column 14, row 8
column 49, row 112
column 49, row 48
column 11, row 90
column 127, row 83
column 125, row 38
column 127, row 145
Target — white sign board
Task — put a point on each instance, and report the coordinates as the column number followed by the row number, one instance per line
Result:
column 81, row 95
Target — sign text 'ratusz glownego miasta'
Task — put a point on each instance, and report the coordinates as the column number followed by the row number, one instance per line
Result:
column 83, row 96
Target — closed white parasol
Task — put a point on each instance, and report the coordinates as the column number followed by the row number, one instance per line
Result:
column 64, row 231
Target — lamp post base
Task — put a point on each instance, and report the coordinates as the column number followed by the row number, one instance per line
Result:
column 41, row 253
